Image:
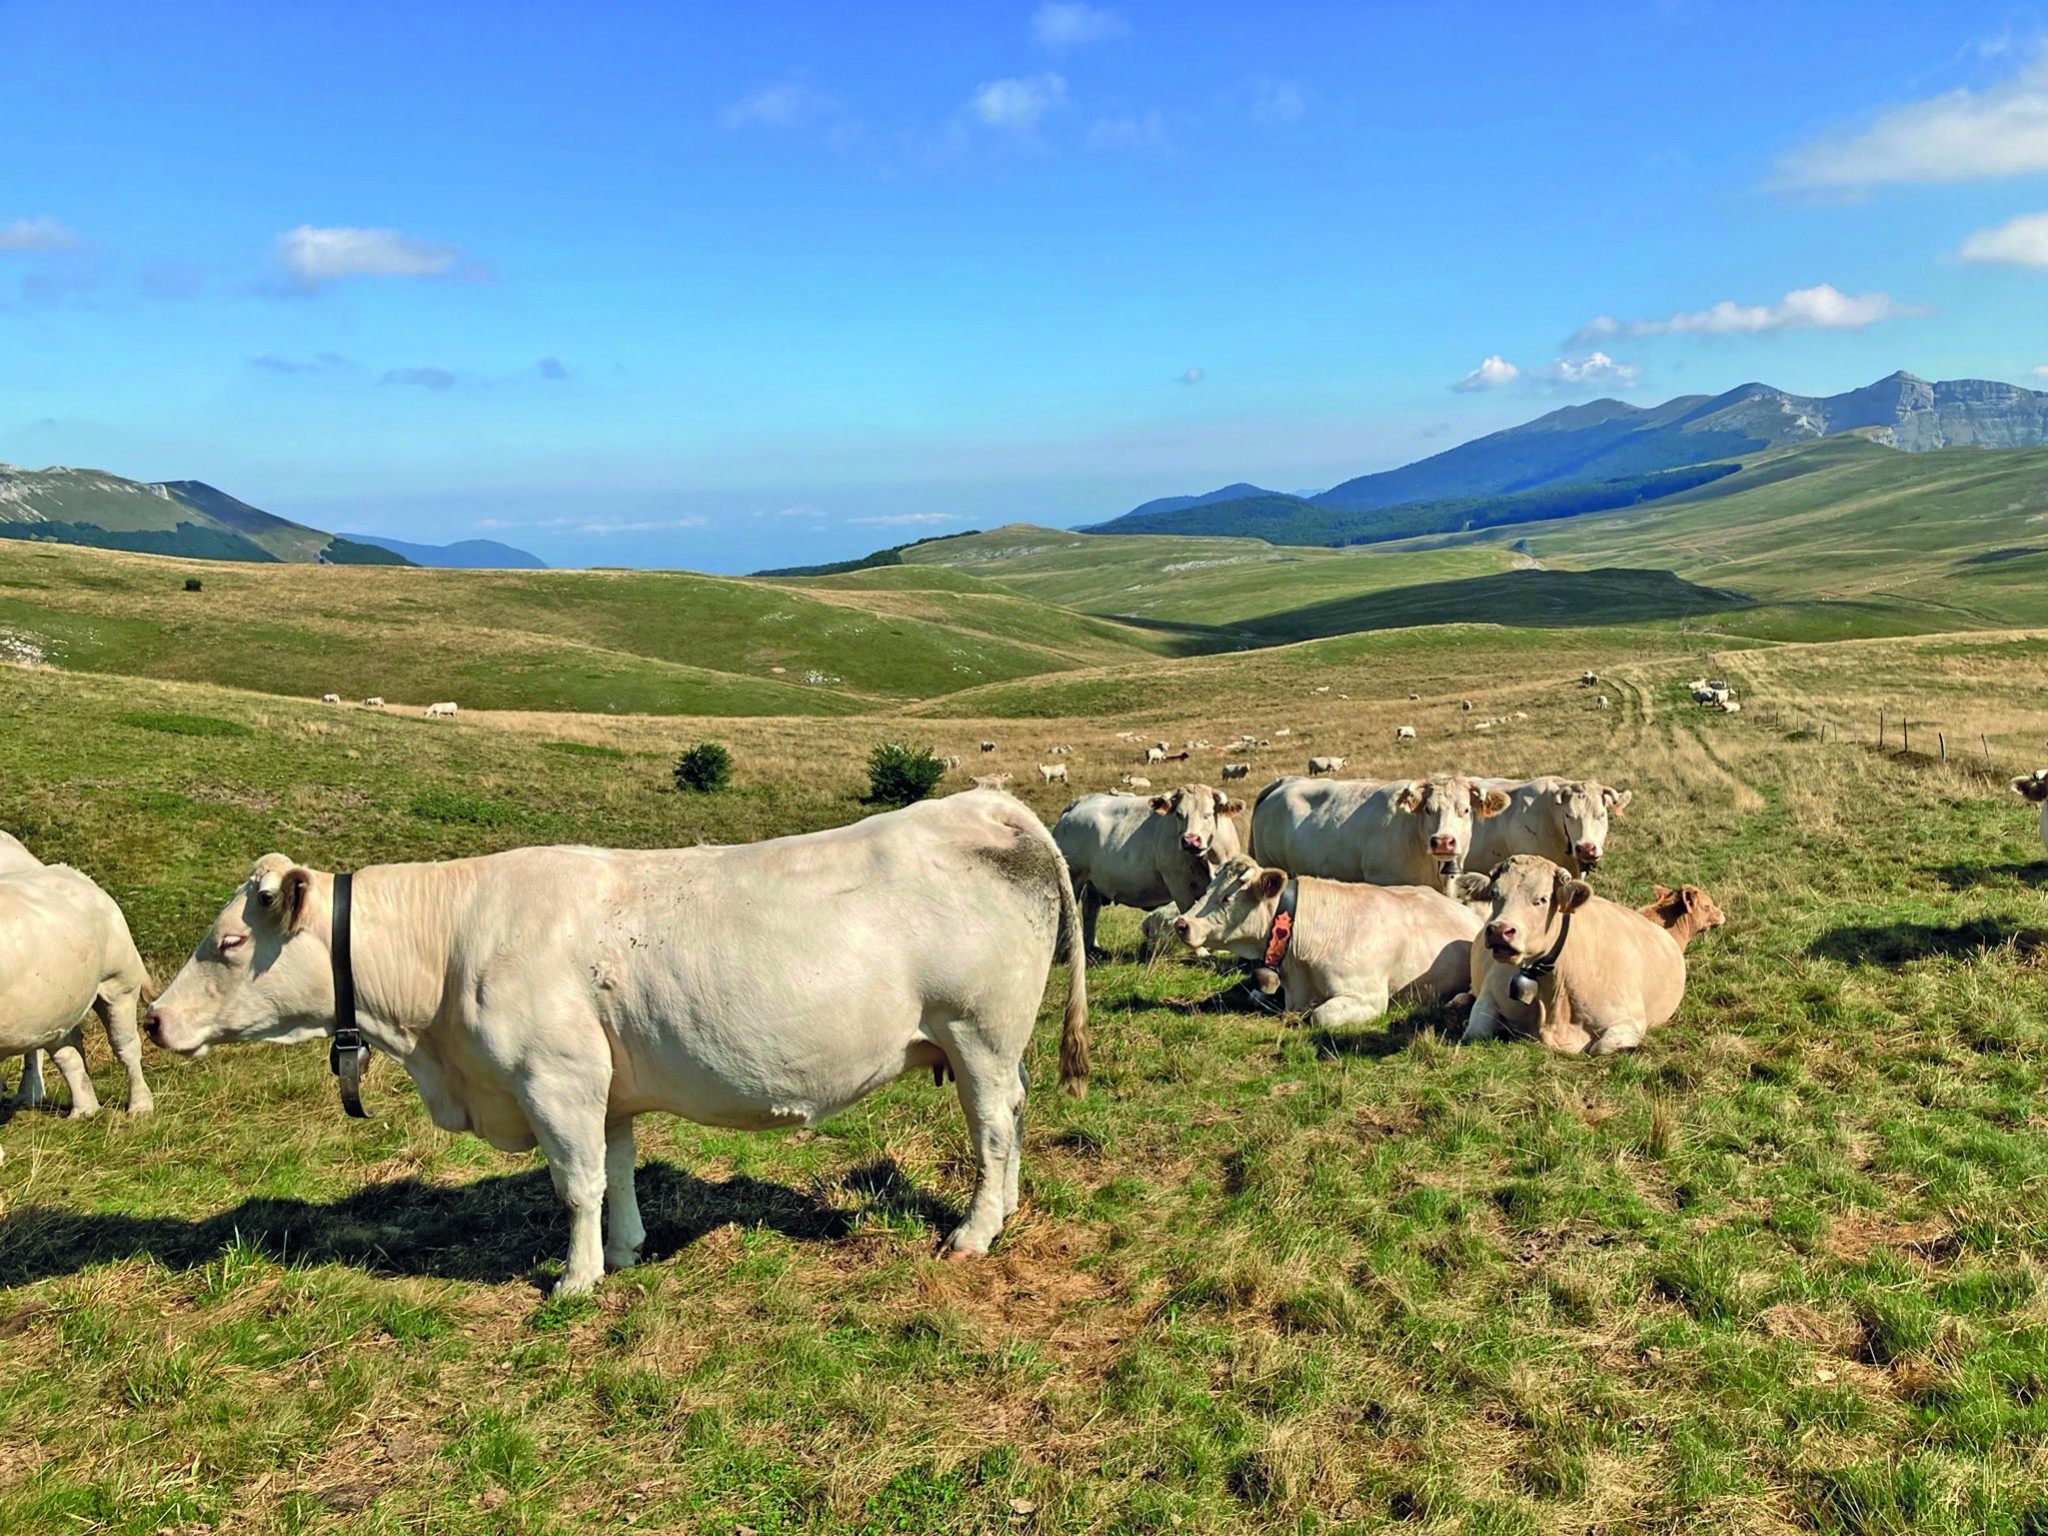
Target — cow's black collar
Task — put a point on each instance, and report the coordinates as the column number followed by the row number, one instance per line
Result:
column 1530, row 974
column 348, row 1056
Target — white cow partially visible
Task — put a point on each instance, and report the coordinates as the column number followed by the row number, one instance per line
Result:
column 1404, row 832
column 1352, row 948
column 2034, row 787
column 444, row 710
column 65, row 951
column 1563, row 820
column 547, row 996
column 1129, row 852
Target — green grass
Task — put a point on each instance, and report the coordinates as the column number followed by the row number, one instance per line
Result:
column 1782, row 1269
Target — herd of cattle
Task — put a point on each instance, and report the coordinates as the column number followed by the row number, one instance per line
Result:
column 545, row 997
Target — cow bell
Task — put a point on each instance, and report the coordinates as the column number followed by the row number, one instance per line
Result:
column 1266, row 980
column 1524, row 988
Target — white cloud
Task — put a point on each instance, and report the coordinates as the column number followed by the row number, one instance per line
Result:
column 42, row 234
column 315, row 257
column 1820, row 308
column 1057, row 25
column 1493, row 373
column 1277, row 103
column 602, row 529
column 799, row 512
column 2021, row 242
column 2040, row 372
column 1017, row 105
column 1595, row 370
column 1963, row 135
column 1190, row 376
column 419, row 378
column 1146, row 132
column 789, row 104
column 908, row 519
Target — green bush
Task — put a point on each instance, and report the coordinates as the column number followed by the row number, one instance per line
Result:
column 899, row 775
column 191, row 583
column 704, row 768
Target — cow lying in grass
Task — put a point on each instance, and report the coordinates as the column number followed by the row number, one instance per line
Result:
column 547, row 996
column 65, row 952
column 1345, row 950
column 1596, row 986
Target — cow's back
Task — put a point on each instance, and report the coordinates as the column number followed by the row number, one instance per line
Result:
column 1117, row 844
column 1617, row 961
column 1331, row 828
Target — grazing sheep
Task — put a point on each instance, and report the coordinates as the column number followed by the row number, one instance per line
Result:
column 444, row 710
column 1601, row 701
column 1404, row 733
column 374, row 701
column 1465, row 705
column 330, row 698
column 1324, row 765
column 1133, row 781
column 988, row 746
column 1236, row 771
column 1051, row 771
column 991, row 780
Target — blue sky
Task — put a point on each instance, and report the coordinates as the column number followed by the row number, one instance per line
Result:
column 728, row 286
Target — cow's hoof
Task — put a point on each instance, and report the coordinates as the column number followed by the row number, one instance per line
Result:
column 575, row 1285
column 961, row 1255
column 142, row 1107
column 83, row 1113
column 622, row 1258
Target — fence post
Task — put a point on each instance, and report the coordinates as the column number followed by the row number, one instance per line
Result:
column 1905, row 735
column 1880, row 728
column 1942, row 742
column 1987, row 748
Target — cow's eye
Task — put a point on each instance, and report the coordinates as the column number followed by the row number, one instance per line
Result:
column 230, row 942
column 1542, row 901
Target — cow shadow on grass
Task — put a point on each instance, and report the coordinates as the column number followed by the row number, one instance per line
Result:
column 1968, row 875
column 1887, row 944
column 497, row 1229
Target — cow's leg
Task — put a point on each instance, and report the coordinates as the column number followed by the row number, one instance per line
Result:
column 992, row 1097
column 1618, row 1037
column 568, row 1121
column 624, row 1235
column 116, row 1007
column 70, row 1059
column 1484, row 1023
column 1016, row 1143
column 1091, row 909
column 1349, row 1012
column 28, row 1093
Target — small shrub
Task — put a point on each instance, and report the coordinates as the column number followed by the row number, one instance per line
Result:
column 192, row 584
column 704, row 768
column 900, row 775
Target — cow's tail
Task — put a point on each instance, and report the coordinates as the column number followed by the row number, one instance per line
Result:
column 1074, row 1029
column 1251, row 820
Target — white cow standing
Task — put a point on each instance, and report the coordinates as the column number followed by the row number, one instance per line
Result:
column 547, row 996
column 65, row 951
column 1143, row 853
column 444, row 710
column 1403, row 832
column 1563, row 820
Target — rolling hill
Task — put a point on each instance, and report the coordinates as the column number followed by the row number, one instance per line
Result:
column 171, row 517
column 1606, row 453
column 463, row 555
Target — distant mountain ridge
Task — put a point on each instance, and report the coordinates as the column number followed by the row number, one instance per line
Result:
column 463, row 555
column 1605, row 443
column 168, row 517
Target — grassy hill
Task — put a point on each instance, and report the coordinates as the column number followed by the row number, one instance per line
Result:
column 1842, row 537
column 173, row 517
column 615, row 641
column 1780, row 1270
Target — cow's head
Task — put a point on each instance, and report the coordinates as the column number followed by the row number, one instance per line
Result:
column 1583, row 808
column 2033, row 785
column 1445, row 809
column 1235, row 914
column 263, row 970
column 1527, row 897
column 1687, row 911
column 1204, row 815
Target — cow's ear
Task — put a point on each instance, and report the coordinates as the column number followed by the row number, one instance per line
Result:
column 1161, row 805
column 284, row 894
column 1489, row 802
column 1271, row 883
column 1473, row 887
column 1617, row 799
column 1572, row 895
column 1230, row 807
column 1410, row 797
column 1661, row 894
